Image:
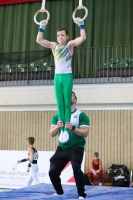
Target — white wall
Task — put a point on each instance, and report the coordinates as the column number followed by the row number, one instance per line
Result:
column 94, row 96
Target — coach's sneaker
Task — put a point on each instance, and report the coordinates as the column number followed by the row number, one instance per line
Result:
column 61, row 136
column 55, row 194
column 65, row 136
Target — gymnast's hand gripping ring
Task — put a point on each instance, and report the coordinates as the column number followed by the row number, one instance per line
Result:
column 41, row 10
column 78, row 8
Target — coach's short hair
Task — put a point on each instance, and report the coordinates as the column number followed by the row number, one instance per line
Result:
column 74, row 95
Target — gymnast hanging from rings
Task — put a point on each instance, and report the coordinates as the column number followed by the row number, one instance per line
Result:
column 62, row 51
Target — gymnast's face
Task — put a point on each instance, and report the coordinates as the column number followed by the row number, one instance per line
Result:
column 28, row 143
column 62, row 37
column 95, row 157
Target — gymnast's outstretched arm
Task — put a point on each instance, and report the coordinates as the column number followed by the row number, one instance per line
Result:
column 78, row 40
column 40, row 40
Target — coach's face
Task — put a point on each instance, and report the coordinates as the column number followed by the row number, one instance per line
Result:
column 74, row 101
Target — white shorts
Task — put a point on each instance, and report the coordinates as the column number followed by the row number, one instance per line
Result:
column 33, row 177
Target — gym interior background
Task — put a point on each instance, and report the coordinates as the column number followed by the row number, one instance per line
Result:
column 27, row 110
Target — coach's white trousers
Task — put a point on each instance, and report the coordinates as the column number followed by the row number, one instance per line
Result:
column 33, row 177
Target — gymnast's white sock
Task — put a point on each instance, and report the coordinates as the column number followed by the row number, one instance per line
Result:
column 65, row 136
column 61, row 136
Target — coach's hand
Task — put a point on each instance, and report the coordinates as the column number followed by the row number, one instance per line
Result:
column 60, row 124
column 68, row 125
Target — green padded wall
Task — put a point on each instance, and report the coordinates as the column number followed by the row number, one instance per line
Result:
column 109, row 22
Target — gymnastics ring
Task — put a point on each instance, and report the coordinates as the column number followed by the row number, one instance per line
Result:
column 79, row 8
column 41, row 10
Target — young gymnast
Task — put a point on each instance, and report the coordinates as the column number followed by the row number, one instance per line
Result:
column 32, row 166
column 96, row 168
column 63, row 78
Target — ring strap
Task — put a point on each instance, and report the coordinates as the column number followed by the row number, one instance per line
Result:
column 43, row 4
column 80, row 3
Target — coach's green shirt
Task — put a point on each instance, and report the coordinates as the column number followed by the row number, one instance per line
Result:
column 78, row 119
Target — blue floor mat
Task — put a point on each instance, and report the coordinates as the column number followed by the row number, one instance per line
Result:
column 45, row 191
